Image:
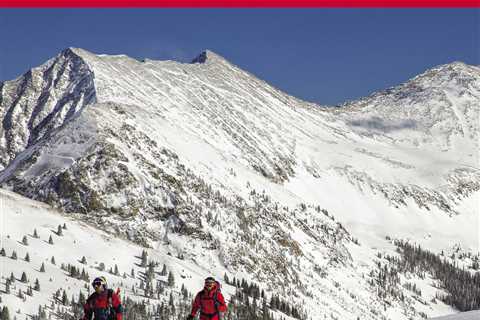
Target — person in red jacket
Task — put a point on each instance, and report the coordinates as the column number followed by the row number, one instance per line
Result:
column 103, row 304
column 209, row 302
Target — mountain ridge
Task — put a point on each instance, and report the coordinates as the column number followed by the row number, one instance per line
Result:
column 172, row 154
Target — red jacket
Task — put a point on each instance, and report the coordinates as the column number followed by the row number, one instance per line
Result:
column 97, row 306
column 205, row 302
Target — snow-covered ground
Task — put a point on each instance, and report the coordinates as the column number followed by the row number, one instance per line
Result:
column 470, row 315
column 19, row 218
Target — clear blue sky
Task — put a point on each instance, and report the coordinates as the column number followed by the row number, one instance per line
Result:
column 321, row 55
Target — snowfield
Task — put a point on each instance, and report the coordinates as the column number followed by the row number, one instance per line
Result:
column 471, row 315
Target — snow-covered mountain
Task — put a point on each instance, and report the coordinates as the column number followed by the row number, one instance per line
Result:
column 208, row 162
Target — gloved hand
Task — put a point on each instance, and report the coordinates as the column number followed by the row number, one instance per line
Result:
column 190, row 317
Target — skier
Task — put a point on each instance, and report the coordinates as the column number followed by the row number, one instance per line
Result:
column 103, row 304
column 209, row 301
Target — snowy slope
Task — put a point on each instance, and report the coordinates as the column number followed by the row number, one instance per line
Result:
column 206, row 155
column 471, row 315
column 21, row 216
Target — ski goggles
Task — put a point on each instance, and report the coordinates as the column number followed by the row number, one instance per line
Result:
column 96, row 284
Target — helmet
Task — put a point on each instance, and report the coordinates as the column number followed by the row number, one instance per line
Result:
column 100, row 281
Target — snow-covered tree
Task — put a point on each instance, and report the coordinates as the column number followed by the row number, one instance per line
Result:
column 24, row 277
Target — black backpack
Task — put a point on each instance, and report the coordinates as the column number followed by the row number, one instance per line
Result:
column 111, row 313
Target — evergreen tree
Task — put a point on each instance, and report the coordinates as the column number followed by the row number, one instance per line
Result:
column 5, row 313
column 42, row 267
column 144, row 258
column 64, row 298
column 84, row 260
column 35, row 234
column 24, row 277
column 59, row 231
column 37, row 285
column 52, row 261
column 27, row 257
column 81, row 298
column 164, row 270
column 2, row 252
column 14, row 255
column 25, row 240
column 50, row 240
column 171, row 279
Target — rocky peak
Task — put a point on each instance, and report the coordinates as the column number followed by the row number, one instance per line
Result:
column 207, row 56
column 43, row 99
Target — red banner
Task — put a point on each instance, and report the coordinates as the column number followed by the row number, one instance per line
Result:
column 241, row 3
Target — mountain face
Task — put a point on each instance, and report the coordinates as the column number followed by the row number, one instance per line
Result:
column 236, row 176
column 440, row 105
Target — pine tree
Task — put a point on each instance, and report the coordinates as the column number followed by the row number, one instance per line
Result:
column 24, row 277
column 52, row 261
column 42, row 315
column 84, row 276
column 59, row 231
column 50, row 240
column 2, row 252
column 184, row 292
column 164, row 270
column 171, row 302
column 35, row 234
column 42, row 267
column 64, row 226
column 14, row 255
column 144, row 258
column 81, row 298
column 116, row 270
column 27, row 257
column 25, row 240
column 64, row 298
column 171, row 279
column 5, row 313
column 84, row 260
column 37, row 285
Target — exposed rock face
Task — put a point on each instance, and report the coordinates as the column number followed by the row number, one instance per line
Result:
column 42, row 100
